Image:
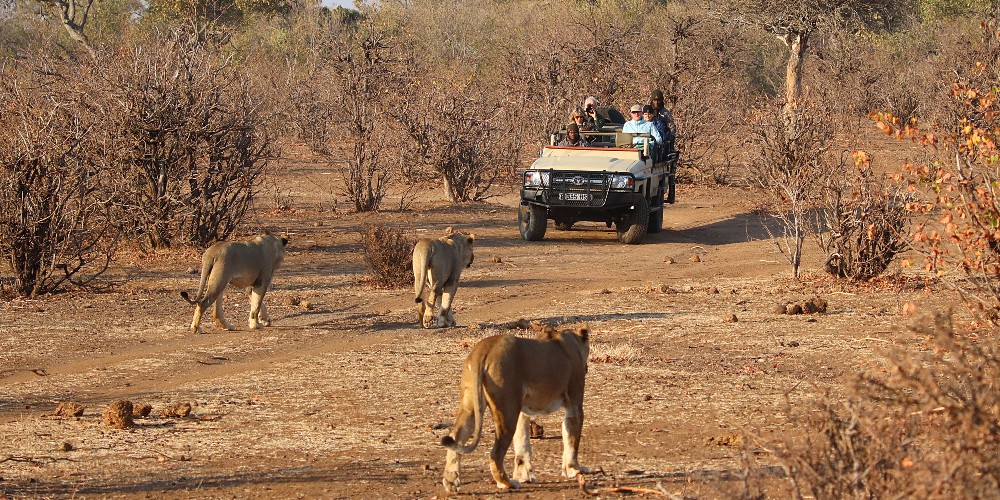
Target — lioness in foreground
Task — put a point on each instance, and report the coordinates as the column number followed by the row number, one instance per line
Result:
column 440, row 261
column 248, row 264
column 518, row 377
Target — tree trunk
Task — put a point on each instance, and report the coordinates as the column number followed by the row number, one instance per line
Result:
column 796, row 43
column 68, row 17
column 448, row 190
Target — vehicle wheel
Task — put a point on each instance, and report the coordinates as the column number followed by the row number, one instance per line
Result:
column 564, row 225
column 656, row 218
column 633, row 225
column 532, row 221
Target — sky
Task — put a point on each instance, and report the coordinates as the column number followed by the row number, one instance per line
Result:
column 342, row 3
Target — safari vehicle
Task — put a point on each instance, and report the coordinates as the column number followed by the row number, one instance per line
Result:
column 612, row 181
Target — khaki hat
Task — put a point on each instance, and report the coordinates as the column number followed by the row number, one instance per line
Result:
column 636, row 109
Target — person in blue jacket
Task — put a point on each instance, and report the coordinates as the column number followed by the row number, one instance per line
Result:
column 637, row 125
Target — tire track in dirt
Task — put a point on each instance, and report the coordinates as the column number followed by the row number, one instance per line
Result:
column 189, row 360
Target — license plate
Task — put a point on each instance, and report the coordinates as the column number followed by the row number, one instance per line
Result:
column 574, row 196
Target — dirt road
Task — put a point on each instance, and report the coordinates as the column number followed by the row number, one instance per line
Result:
column 346, row 397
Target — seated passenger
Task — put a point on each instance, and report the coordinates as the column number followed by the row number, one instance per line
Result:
column 639, row 126
column 659, row 130
column 573, row 137
column 593, row 120
column 580, row 120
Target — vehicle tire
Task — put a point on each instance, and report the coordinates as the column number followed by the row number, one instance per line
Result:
column 656, row 218
column 564, row 225
column 633, row 225
column 532, row 220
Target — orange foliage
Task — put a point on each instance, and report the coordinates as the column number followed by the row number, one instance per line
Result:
column 962, row 190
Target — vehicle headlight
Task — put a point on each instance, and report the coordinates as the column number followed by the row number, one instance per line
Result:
column 534, row 178
column 622, row 181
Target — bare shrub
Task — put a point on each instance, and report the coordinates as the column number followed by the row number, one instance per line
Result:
column 57, row 225
column 927, row 430
column 462, row 137
column 850, row 450
column 867, row 218
column 186, row 134
column 387, row 253
column 704, row 90
column 951, row 387
column 787, row 165
column 365, row 77
column 345, row 106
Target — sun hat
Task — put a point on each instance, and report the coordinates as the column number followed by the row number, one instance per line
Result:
column 636, row 109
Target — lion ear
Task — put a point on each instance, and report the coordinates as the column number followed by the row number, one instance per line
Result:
column 472, row 237
column 449, row 231
column 284, row 241
column 584, row 332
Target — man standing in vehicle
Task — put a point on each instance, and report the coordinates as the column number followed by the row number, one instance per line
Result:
column 660, row 112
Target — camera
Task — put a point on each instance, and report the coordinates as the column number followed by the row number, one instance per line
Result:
column 590, row 108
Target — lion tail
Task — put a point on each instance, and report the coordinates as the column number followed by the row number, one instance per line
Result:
column 206, row 270
column 420, row 267
column 478, row 405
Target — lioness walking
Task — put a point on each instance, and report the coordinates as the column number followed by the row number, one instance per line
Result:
column 249, row 264
column 518, row 377
column 440, row 262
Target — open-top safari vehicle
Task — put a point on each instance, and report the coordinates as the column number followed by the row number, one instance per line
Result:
column 616, row 180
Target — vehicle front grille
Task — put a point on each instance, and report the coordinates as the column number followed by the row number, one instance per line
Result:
column 584, row 189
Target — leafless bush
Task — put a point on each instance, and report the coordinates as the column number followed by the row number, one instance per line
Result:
column 866, row 216
column 366, row 70
column 57, row 225
column 188, row 137
column 388, row 253
column 952, row 388
column 850, row 450
column 927, row 430
column 462, row 137
column 787, row 165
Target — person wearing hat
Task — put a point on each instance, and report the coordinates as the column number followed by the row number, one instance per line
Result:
column 662, row 114
column 659, row 130
column 573, row 137
column 637, row 125
column 577, row 117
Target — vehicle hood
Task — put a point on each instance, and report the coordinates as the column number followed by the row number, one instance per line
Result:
column 588, row 163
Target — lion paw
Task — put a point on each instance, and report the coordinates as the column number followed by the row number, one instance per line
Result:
column 511, row 485
column 525, row 476
column 574, row 470
column 450, row 485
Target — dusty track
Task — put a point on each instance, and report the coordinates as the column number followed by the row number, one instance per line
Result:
column 346, row 399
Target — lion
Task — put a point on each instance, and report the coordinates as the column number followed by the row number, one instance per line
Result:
column 518, row 377
column 440, row 261
column 249, row 264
